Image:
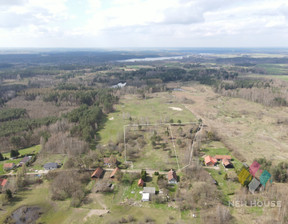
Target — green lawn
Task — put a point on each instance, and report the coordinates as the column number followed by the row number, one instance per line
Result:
column 31, row 150
column 53, row 211
column 152, row 110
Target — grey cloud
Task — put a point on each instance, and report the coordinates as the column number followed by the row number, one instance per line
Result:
column 13, row 20
column 184, row 15
column 12, row 2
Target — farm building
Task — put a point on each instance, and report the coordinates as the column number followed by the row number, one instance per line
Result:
column 116, row 170
column 210, row 161
column 8, row 166
column 172, row 177
column 50, row 166
column 97, row 173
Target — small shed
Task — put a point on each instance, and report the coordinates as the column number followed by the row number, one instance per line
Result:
column 140, row 183
column 150, row 190
column 227, row 164
column 145, row 196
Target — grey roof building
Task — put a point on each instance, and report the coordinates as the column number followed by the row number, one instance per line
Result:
column 150, row 190
column 253, row 185
column 50, row 166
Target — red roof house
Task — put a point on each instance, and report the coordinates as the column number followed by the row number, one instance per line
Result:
column 114, row 172
column 8, row 166
column 210, row 161
column 221, row 157
column 97, row 173
column 172, row 177
column 140, row 183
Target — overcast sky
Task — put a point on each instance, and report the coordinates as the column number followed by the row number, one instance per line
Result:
column 143, row 23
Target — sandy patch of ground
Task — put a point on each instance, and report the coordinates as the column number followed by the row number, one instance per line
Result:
column 176, row 108
column 98, row 212
column 111, row 118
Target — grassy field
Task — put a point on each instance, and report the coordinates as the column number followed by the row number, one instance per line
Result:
column 228, row 187
column 248, row 128
column 281, row 77
column 31, row 150
column 151, row 110
column 150, row 157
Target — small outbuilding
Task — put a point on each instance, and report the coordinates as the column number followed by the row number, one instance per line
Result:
column 150, row 190
column 140, row 183
column 227, row 164
column 145, row 196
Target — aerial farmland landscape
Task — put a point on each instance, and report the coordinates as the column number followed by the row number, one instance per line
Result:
column 108, row 115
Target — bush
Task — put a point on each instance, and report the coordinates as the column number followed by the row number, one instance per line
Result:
column 14, row 153
column 1, row 157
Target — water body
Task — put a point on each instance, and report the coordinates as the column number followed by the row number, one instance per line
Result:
column 25, row 215
column 153, row 59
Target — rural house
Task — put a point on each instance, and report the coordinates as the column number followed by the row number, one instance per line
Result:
column 8, row 166
column 3, row 183
column 111, row 161
column 210, row 161
column 97, row 173
column 25, row 160
column 222, row 157
column 50, row 166
column 172, row 177
column 116, row 170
